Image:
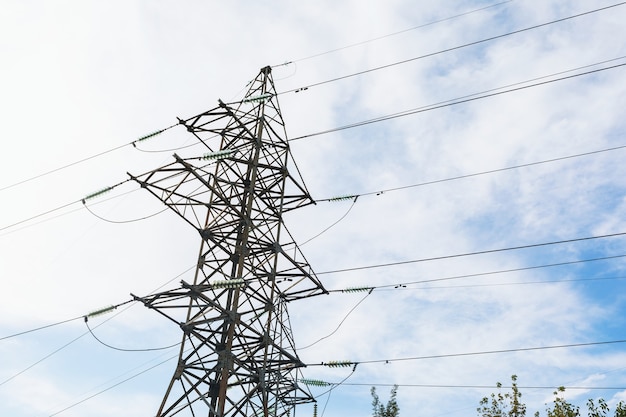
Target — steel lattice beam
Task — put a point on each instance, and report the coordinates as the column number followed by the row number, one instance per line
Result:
column 237, row 357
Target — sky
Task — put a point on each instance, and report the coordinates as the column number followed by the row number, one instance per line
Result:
column 453, row 188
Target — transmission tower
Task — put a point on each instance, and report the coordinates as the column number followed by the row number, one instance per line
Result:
column 237, row 356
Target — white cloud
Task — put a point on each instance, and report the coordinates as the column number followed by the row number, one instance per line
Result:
column 81, row 78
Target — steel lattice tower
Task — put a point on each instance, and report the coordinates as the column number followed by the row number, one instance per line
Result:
column 237, row 356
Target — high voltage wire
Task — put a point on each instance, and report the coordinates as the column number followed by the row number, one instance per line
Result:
column 134, row 143
column 393, row 286
column 332, row 364
column 394, row 189
column 336, row 384
column 124, row 221
column 118, row 378
column 98, row 312
column 378, row 287
column 466, row 254
column 422, row 109
column 393, row 34
column 352, row 364
column 40, row 328
column 112, row 386
column 476, row 174
column 353, row 196
column 347, row 363
column 448, row 103
column 502, row 271
column 382, row 118
column 452, row 48
column 64, row 206
column 92, row 314
column 397, row 286
column 43, row 174
column 476, row 386
column 559, row 281
column 85, row 206
column 333, row 224
column 66, row 344
column 339, row 325
column 62, row 214
column 126, row 349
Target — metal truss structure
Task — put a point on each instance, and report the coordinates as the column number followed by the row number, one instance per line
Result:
column 237, row 356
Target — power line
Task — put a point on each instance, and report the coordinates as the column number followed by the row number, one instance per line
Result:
column 344, row 364
column 126, row 349
column 339, row 325
column 503, row 271
column 92, row 314
column 43, row 174
column 354, row 196
column 476, row 386
column 39, row 215
column 353, row 365
column 370, row 289
column 482, row 252
column 90, row 196
column 337, row 384
column 332, row 225
column 476, row 174
column 394, row 33
column 453, row 48
column 448, row 103
column 124, row 221
column 145, row 137
column 42, row 359
column 97, row 312
column 40, row 328
column 112, row 386
column 84, row 200
column 403, row 287
column 378, row 119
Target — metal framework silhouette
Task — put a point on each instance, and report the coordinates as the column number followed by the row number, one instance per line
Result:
column 237, row 356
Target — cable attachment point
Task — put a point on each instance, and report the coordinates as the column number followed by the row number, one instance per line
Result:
column 99, row 312
column 148, row 136
column 339, row 364
column 229, row 283
column 258, row 99
column 223, row 154
column 97, row 194
column 315, row 382
column 358, row 289
column 344, row 198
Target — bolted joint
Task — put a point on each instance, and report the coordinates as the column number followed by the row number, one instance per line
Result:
column 277, row 248
column 180, row 368
column 214, row 389
column 206, row 234
column 233, row 316
column 225, row 359
column 186, row 328
column 142, row 300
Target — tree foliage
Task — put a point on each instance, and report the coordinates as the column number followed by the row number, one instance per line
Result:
column 503, row 405
column 562, row 408
column 389, row 410
column 509, row 404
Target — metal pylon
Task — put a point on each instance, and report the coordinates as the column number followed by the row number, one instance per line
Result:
column 237, row 356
